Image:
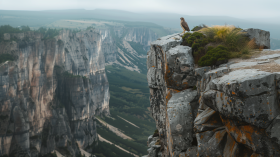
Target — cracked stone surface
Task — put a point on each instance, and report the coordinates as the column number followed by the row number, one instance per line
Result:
column 242, row 64
column 268, row 57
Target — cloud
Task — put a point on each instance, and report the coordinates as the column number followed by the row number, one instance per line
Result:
column 234, row 8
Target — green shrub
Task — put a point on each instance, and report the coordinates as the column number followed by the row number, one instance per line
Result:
column 196, row 28
column 195, row 46
column 213, row 55
column 186, row 35
column 197, row 41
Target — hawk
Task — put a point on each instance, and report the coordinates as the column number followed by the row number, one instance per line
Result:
column 184, row 25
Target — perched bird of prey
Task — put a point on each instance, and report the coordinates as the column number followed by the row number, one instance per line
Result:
column 184, row 25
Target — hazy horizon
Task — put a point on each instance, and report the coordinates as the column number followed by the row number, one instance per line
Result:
column 237, row 9
column 169, row 20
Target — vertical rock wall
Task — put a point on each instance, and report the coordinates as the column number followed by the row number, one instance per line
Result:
column 50, row 94
column 171, row 71
column 210, row 112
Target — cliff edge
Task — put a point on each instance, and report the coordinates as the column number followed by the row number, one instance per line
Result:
column 227, row 110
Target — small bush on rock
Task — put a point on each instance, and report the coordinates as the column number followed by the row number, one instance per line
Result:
column 234, row 42
column 197, row 42
column 196, row 28
column 214, row 56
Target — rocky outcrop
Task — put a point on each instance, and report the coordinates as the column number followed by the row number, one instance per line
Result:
column 262, row 38
column 50, row 94
column 231, row 110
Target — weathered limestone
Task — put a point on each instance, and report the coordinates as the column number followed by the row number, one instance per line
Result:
column 211, row 75
column 50, row 94
column 180, row 68
column 262, row 38
column 236, row 114
column 181, row 112
column 156, row 63
column 244, row 93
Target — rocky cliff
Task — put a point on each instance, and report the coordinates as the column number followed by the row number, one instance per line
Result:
column 51, row 93
column 230, row 111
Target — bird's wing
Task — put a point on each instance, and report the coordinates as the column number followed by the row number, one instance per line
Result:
column 185, row 25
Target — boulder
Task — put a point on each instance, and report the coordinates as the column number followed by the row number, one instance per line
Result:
column 246, row 95
column 262, row 38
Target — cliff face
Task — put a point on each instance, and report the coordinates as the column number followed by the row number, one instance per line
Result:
column 231, row 110
column 109, row 48
column 117, row 48
column 144, row 36
column 50, row 94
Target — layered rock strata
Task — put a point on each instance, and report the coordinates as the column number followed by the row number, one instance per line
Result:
column 227, row 111
column 50, row 94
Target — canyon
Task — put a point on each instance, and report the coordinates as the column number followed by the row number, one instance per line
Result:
column 51, row 93
column 53, row 90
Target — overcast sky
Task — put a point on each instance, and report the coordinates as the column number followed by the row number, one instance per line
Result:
column 233, row 8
